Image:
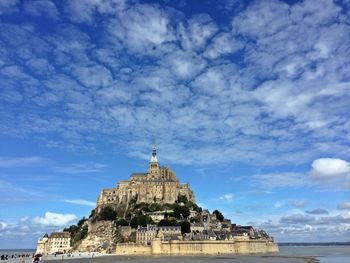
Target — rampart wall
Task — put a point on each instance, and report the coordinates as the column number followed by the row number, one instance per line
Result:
column 207, row 247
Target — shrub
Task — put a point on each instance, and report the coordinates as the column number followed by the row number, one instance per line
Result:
column 167, row 222
column 122, row 222
column 219, row 215
column 185, row 227
column 141, row 220
column 82, row 233
column 107, row 213
column 181, row 212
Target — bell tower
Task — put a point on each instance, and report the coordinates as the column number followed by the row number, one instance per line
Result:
column 153, row 168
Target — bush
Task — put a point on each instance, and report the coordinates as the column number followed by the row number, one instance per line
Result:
column 141, row 220
column 182, row 199
column 219, row 215
column 181, row 212
column 81, row 222
column 195, row 219
column 73, row 230
column 122, row 222
column 107, row 213
column 167, row 222
column 185, row 227
column 155, row 207
column 82, row 233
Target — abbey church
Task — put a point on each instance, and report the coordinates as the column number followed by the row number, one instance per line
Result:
column 158, row 185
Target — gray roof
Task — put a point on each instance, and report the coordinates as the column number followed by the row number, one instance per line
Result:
column 60, row 235
column 138, row 174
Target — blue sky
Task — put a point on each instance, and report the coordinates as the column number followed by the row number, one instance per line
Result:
column 246, row 100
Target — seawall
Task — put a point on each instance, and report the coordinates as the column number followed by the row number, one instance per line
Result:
column 207, row 247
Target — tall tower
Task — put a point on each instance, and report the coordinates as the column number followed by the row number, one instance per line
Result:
column 153, row 168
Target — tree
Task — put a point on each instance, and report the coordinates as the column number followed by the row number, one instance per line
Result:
column 197, row 208
column 107, row 213
column 141, row 220
column 182, row 199
column 81, row 222
column 82, row 233
column 92, row 213
column 155, row 207
column 73, row 230
column 195, row 219
column 219, row 215
column 181, row 212
column 167, row 222
column 121, row 222
column 185, row 227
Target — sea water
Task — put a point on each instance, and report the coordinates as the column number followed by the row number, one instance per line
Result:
column 325, row 254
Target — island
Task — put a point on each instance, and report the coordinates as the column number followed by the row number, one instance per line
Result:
column 152, row 213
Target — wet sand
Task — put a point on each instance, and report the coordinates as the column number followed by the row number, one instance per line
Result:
column 194, row 259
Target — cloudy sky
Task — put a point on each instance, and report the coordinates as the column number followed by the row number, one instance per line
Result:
column 246, row 100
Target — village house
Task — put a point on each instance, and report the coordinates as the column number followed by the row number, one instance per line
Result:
column 57, row 242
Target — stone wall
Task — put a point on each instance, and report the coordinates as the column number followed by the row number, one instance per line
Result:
column 133, row 249
column 176, row 247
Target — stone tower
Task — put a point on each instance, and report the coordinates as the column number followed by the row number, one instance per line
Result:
column 153, row 168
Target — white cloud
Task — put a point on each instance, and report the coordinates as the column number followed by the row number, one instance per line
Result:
column 95, row 76
column 54, row 219
column 81, row 168
column 3, row 225
column 330, row 167
column 80, row 202
column 85, row 10
column 142, row 28
column 153, row 65
column 222, row 44
column 42, row 8
column 344, row 206
column 326, row 173
column 7, row 5
column 8, row 162
column 279, row 180
column 227, row 197
column 196, row 33
column 318, row 211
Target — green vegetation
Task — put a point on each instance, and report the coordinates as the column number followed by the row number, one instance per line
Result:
column 77, row 232
column 167, row 222
column 185, row 227
column 118, row 238
column 181, row 212
column 141, row 220
column 107, row 213
column 81, row 234
column 121, row 222
column 219, row 215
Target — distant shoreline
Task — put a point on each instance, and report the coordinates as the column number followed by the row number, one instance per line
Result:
column 307, row 244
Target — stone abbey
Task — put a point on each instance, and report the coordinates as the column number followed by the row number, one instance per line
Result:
column 158, row 185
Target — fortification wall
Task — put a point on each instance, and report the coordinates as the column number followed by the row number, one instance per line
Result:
column 133, row 249
column 176, row 247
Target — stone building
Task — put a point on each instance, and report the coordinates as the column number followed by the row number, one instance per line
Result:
column 145, row 235
column 57, row 242
column 158, row 185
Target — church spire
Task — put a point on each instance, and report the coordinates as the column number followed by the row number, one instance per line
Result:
column 154, row 154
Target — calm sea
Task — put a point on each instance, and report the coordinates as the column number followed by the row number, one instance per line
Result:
column 326, row 254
